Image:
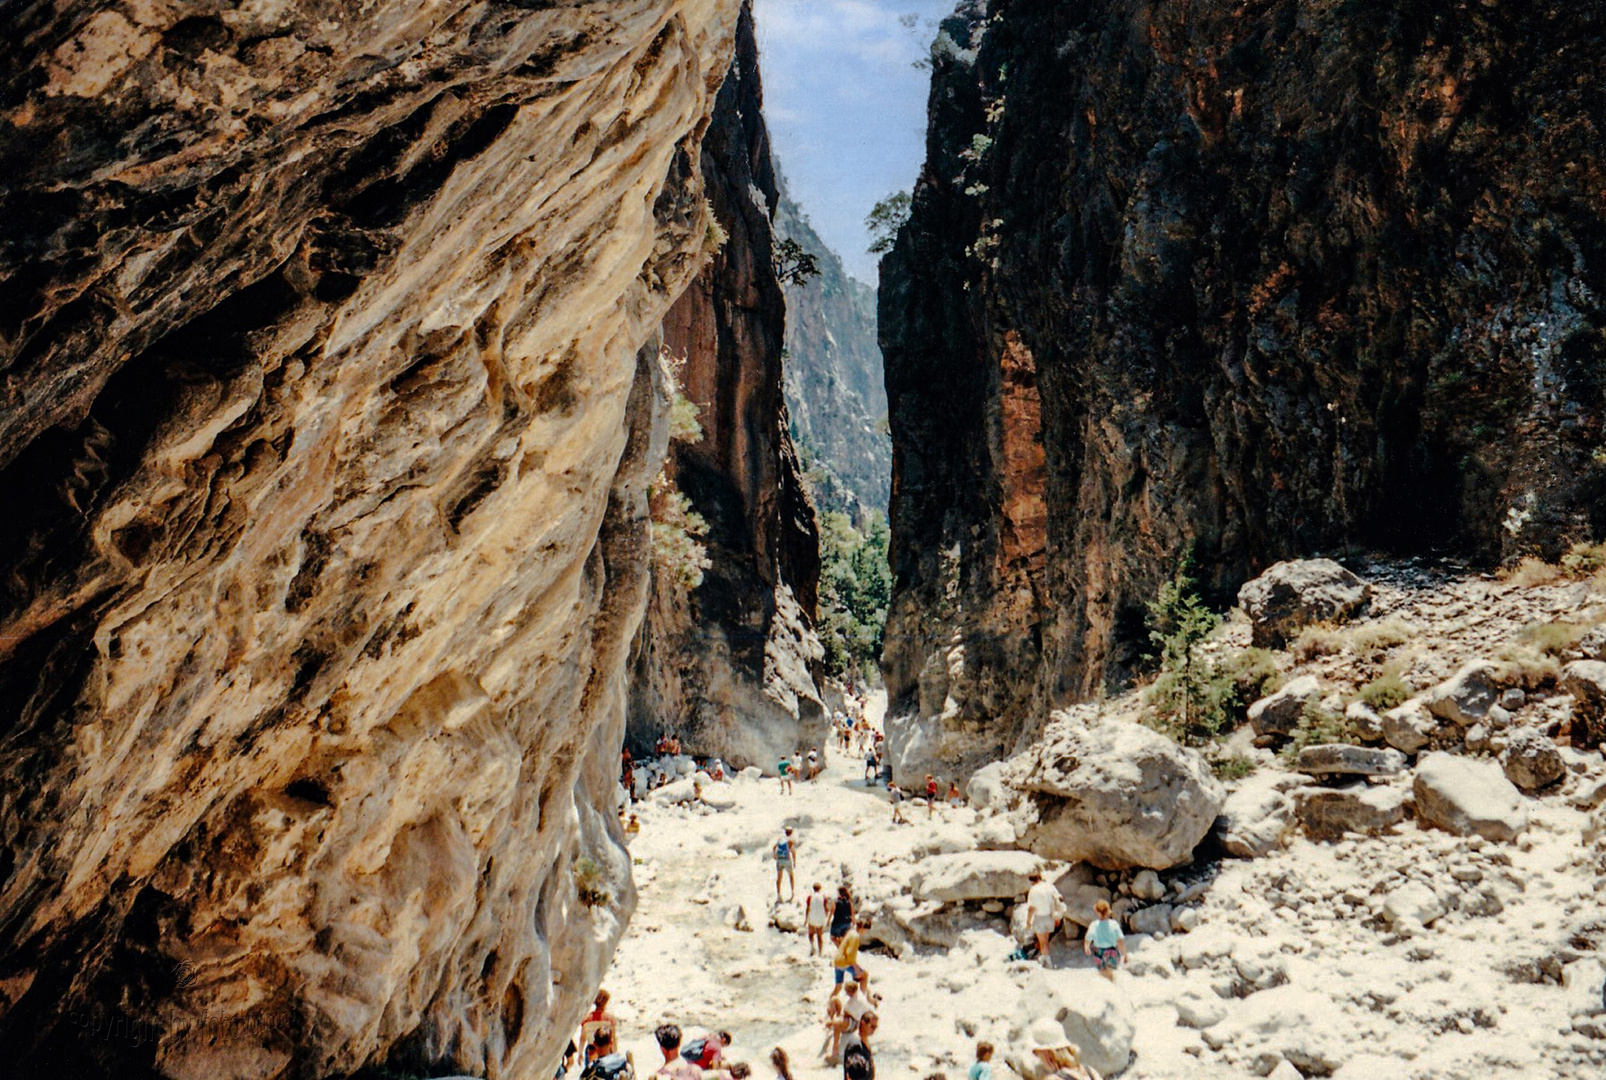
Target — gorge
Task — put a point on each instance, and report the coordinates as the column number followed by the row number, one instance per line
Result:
column 394, row 427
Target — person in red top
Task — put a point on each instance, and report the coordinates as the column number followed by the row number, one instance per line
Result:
column 710, row 1054
column 931, row 794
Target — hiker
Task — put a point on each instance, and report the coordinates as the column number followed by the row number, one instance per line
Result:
column 632, row 828
column 1043, row 902
column 837, row 1023
column 568, row 1061
column 845, row 964
column 982, row 1067
column 784, row 849
column 716, row 769
column 1061, row 1058
column 816, row 913
column 841, row 915
column 708, row 1052
column 955, row 796
column 854, row 1003
column 598, row 1019
column 872, row 766
column 599, row 1046
column 931, row 794
column 783, row 1064
column 674, row 1067
column 784, row 767
column 1105, row 942
column 895, row 796
column 858, row 1060
column 813, row 768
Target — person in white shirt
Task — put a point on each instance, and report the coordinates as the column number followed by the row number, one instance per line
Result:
column 1042, row 907
column 816, row 914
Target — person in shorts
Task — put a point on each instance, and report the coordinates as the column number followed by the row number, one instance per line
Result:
column 1105, row 942
column 846, row 963
column 816, row 913
column 786, row 769
column 841, row 915
column 932, row 789
column 1042, row 909
column 785, row 853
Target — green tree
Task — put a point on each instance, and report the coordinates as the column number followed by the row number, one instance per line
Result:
column 1188, row 691
column 793, row 264
column 885, row 219
column 855, row 591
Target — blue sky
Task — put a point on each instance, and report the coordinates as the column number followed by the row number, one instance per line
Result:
column 846, row 107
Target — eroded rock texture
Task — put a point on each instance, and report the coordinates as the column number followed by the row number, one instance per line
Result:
column 325, row 426
column 1261, row 280
column 732, row 665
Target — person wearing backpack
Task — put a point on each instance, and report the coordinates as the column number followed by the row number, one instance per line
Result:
column 707, row 1052
column 785, row 852
column 674, row 1067
column 841, row 915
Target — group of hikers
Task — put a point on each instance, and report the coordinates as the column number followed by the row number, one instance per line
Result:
column 1105, row 941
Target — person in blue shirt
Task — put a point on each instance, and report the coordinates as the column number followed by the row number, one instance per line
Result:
column 1105, row 942
column 982, row 1067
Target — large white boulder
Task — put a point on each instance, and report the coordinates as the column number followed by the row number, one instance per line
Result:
column 1093, row 1014
column 1467, row 795
column 1114, row 794
column 987, row 790
column 974, row 875
column 1294, row 594
column 1257, row 818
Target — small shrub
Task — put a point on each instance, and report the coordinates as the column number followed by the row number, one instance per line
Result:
column 1584, row 560
column 1319, row 725
column 589, row 882
column 677, row 532
column 1371, row 639
column 1529, row 668
column 1387, row 691
column 1318, row 640
column 1253, row 673
column 1552, row 638
column 714, row 235
column 1530, row 572
column 1233, row 767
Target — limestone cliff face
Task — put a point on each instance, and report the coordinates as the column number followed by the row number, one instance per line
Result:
column 1261, row 281
column 327, row 383
column 732, row 665
column 835, row 390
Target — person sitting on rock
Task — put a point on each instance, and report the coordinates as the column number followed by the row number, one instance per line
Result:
column 1105, row 942
column 837, row 1024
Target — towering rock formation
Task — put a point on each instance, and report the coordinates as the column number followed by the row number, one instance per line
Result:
column 1256, row 281
column 732, row 664
column 327, row 409
column 835, row 389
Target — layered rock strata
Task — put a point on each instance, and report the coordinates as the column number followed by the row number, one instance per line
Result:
column 325, row 426
column 732, row 665
column 1254, row 282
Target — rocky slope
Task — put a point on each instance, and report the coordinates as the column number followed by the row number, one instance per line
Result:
column 328, row 383
column 835, row 388
column 732, row 665
column 1255, row 281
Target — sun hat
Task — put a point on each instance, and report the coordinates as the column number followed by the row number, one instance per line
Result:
column 1046, row 1034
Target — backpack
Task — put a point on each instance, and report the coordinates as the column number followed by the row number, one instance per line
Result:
column 694, row 1050
column 610, row 1067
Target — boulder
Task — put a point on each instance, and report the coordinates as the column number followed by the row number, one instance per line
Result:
column 1585, row 680
column 787, row 917
column 987, row 790
column 1154, row 920
column 719, row 795
column 1532, row 761
column 1412, row 903
column 1593, row 644
column 1465, row 698
column 1278, row 714
column 1409, row 727
column 1114, row 794
column 1080, row 900
column 1255, row 819
column 974, row 875
column 996, row 834
column 1364, row 720
column 1329, row 813
column 1146, row 885
column 1199, row 1010
column 1337, row 759
column 1294, row 594
column 674, row 792
column 1466, row 796
column 1093, row 1014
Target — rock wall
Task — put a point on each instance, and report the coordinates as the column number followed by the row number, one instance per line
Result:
column 733, row 666
column 327, row 383
column 835, row 388
column 1255, row 281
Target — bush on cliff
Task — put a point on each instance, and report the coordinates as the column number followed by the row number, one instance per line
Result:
column 855, row 589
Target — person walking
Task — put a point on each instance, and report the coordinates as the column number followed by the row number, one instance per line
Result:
column 841, row 915
column 1042, row 901
column 781, row 1063
column 872, row 766
column 931, row 794
column 1105, row 942
column 982, row 1067
column 816, row 913
column 785, row 851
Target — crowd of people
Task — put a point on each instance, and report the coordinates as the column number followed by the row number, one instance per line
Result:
column 836, row 930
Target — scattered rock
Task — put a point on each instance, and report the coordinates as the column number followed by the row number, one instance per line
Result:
column 1114, row 794
column 1154, row 920
column 1278, row 714
column 1532, row 761
column 1409, row 727
column 1329, row 813
column 1467, row 796
column 1255, row 819
column 1080, row 900
column 1198, row 1010
column 1413, row 904
column 786, row 917
column 674, row 793
column 1585, row 680
column 974, row 875
column 719, row 795
column 740, row 921
column 1465, row 697
column 1513, row 698
column 1338, row 759
column 1294, row 594
column 1593, row 644
column 1364, row 719
column 1184, row 920
column 1285, row 1071
column 1146, row 885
